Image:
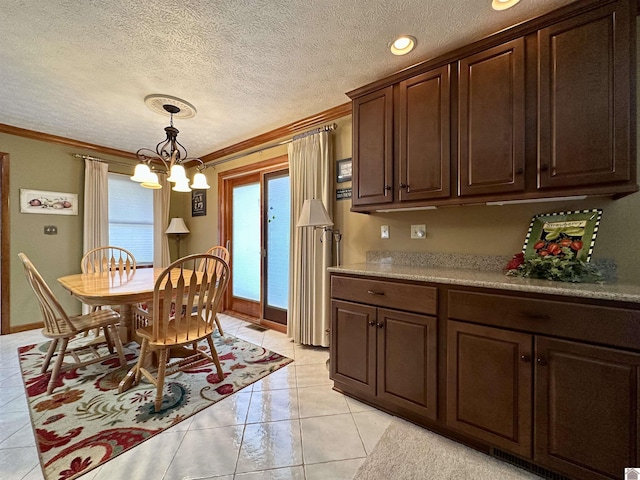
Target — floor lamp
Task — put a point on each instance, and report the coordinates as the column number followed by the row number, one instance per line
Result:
column 313, row 214
column 177, row 228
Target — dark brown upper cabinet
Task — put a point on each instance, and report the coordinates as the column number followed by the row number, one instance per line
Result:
column 373, row 140
column 424, row 166
column 545, row 109
column 491, row 120
column 584, row 127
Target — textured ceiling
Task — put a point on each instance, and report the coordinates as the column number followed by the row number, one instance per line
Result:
column 81, row 69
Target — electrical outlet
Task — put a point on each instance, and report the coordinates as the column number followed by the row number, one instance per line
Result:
column 384, row 231
column 419, row 231
column 50, row 230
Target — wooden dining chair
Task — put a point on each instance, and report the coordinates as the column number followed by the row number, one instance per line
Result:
column 62, row 328
column 196, row 295
column 107, row 259
column 223, row 253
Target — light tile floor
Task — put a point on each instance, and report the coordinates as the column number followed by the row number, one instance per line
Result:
column 289, row 425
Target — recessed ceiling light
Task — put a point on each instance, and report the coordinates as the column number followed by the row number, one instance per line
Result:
column 503, row 4
column 403, row 45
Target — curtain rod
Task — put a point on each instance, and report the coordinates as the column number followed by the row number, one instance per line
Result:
column 102, row 160
column 326, row 128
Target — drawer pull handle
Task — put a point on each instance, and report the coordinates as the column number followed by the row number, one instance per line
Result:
column 535, row 316
column 371, row 323
column 371, row 292
column 525, row 358
column 380, row 325
column 541, row 361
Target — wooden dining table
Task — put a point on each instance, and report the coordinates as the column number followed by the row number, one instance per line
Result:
column 115, row 288
column 125, row 289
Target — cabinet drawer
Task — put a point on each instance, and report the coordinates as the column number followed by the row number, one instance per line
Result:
column 382, row 293
column 579, row 321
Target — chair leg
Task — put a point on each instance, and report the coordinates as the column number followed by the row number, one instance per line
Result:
column 219, row 325
column 107, row 337
column 50, row 352
column 162, row 367
column 140, row 364
column 57, row 365
column 115, row 338
column 216, row 360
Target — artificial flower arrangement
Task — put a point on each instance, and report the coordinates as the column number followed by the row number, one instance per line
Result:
column 555, row 258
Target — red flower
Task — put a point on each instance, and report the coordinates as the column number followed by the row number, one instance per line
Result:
column 515, row 262
column 77, row 466
column 225, row 389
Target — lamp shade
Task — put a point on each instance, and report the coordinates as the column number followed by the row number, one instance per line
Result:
column 313, row 214
column 177, row 226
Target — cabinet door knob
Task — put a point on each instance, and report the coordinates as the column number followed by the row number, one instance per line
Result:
column 525, row 358
column 371, row 323
column 541, row 361
column 380, row 325
column 371, row 292
column 387, row 187
column 403, row 185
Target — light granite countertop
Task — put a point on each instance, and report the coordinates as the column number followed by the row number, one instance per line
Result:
column 492, row 279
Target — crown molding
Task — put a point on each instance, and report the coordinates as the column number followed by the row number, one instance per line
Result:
column 46, row 137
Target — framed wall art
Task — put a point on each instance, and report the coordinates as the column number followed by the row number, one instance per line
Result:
column 50, row 203
column 563, row 233
column 343, row 170
column 198, row 203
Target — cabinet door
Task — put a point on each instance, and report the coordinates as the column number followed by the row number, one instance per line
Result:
column 585, row 90
column 407, row 361
column 353, row 346
column 424, row 163
column 586, row 408
column 491, row 120
column 489, row 385
column 373, row 148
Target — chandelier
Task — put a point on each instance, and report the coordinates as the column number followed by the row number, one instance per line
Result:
column 172, row 154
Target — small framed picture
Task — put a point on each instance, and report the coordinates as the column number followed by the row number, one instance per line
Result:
column 563, row 233
column 50, row 203
column 343, row 170
column 198, row 203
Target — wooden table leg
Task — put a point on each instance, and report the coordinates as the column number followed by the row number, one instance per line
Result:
column 126, row 323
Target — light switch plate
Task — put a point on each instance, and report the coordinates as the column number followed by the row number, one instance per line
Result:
column 419, row 231
column 384, row 231
column 50, row 230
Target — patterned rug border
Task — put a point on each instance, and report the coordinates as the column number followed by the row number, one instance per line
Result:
column 114, row 441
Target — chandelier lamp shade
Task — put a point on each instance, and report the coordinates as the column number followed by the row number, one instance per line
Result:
column 171, row 154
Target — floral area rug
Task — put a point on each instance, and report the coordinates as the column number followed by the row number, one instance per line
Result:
column 85, row 422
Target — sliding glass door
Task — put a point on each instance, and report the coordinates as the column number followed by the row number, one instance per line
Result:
column 255, row 214
column 276, row 246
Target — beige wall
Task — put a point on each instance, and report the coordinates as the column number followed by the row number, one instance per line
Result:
column 37, row 165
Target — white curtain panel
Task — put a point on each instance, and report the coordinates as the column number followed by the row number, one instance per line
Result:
column 161, row 202
column 96, row 208
column 309, row 319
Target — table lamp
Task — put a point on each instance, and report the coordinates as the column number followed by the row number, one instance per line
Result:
column 313, row 214
column 177, row 228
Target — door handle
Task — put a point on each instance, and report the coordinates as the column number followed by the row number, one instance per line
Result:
column 372, row 292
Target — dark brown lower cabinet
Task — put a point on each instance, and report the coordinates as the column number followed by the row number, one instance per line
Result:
column 489, row 385
column 386, row 354
column 586, row 408
column 584, row 399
